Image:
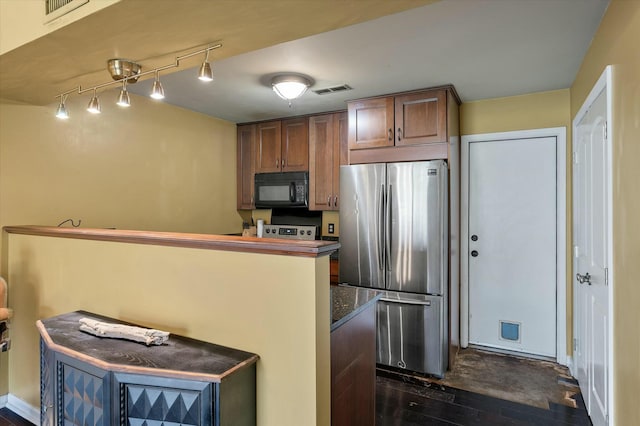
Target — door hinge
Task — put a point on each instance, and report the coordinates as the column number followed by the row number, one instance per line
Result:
column 606, row 276
column 575, row 157
column 576, row 251
column 605, row 131
column 575, row 344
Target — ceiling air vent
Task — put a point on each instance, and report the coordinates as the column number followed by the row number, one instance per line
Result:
column 333, row 89
column 56, row 8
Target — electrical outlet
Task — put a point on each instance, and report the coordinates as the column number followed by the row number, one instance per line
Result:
column 331, row 228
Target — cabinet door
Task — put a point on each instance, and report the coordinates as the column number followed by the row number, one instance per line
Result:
column 82, row 393
column 421, row 118
column 160, row 400
column 268, row 147
column 341, row 152
column 295, row 145
column 246, row 165
column 47, row 385
column 321, row 162
column 371, row 123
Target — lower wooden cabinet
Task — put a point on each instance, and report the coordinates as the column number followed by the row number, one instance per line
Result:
column 353, row 370
column 83, row 383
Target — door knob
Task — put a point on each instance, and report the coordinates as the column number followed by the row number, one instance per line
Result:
column 474, row 238
column 474, row 253
column 586, row 278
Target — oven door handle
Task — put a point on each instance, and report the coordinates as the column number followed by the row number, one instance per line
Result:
column 292, row 192
column 406, row 301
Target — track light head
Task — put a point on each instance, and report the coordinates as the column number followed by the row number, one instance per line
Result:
column 94, row 105
column 123, row 99
column 62, row 112
column 205, row 73
column 157, row 92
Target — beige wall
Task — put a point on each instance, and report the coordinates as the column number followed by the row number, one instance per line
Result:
column 150, row 167
column 272, row 305
column 616, row 43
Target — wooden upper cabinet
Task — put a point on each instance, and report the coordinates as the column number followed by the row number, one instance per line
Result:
column 327, row 151
column 268, row 147
column 371, row 123
column 295, row 145
column 246, row 166
column 419, row 126
column 421, row 118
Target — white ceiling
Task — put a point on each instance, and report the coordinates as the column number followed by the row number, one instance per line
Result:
column 485, row 48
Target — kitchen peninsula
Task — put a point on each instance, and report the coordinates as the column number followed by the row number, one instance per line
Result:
column 264, row 296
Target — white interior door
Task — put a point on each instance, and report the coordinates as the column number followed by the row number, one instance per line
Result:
column 591, row 245
column 512, row 244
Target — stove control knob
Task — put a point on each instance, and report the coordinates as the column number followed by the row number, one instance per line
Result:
column 308, row 232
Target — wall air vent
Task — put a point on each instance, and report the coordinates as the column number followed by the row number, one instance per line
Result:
column 56, row 8
column 333, row 89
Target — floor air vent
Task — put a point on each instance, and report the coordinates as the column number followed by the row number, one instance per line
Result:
column 334, row 89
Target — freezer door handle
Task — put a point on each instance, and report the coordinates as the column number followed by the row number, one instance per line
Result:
column 407, row 302
column 381, row 231
column 388, row 229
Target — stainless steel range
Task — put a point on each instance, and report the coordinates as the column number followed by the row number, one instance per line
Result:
column 292, row 232
column 294, row 224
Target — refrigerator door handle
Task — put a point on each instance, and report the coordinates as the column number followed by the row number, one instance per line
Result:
column 406, row 301
column 388, row 229
column 381, row 231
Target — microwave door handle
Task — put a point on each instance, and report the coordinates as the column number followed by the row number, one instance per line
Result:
column 292, row 192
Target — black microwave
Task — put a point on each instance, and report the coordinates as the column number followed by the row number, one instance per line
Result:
column 288, row 189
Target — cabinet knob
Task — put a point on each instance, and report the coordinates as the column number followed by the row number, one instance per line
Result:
column 329, row 200
column 390, row 134
column 283, row 162
column 399, row 134
column 335, row 201
column 277, row 161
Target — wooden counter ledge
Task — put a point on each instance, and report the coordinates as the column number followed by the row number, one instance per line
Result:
column 176, row 239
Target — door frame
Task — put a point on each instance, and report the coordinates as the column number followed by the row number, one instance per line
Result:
column 605, row 82
column 561, row 226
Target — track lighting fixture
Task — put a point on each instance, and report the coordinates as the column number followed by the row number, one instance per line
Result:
column 157, row 92
column 205, row 73
column 128, row 72
column 61, row 111
column 123, row 98
column 94, row 104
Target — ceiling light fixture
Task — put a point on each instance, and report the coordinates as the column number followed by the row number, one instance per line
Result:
column 157, row 92
column 62, row 112
column 126, row 71
column 290, row 86
column 123, row 98
column 94, row 104
column 205, row 73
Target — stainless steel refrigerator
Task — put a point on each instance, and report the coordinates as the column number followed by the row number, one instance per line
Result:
column 394, row 237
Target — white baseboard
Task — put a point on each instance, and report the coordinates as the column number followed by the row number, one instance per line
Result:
column 3, row 401
column 23, row 409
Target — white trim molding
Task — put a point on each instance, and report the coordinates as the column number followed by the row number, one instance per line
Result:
column 560, row 133
column 3, row 400
column 23, row 409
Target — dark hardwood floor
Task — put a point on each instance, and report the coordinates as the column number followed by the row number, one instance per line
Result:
column 9, row 418
column 402, row 403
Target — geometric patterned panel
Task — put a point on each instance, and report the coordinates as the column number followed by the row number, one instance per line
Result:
column 46, row 386
column 83, row 398
column 153, row 406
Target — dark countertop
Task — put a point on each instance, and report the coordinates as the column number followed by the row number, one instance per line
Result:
column 347, row 302
column 178, row 357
